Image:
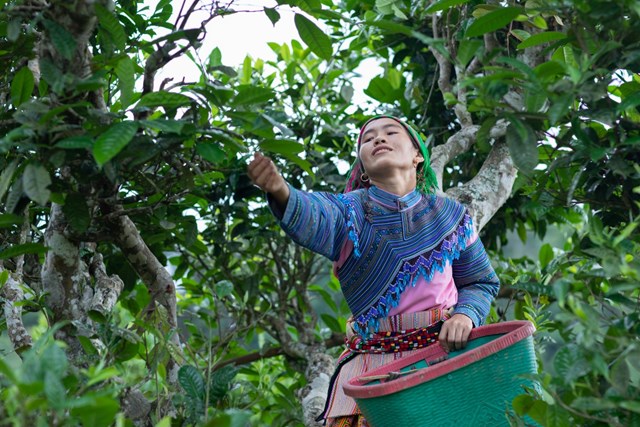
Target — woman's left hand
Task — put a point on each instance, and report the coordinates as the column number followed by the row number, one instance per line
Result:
column 455, row 332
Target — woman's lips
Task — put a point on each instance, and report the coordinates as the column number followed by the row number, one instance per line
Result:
column 380, row 149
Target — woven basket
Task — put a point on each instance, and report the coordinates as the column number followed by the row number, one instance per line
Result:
column 473, row 387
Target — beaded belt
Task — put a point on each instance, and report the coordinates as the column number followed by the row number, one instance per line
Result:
column 395, row 341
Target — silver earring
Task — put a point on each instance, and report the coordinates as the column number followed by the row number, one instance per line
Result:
column 364, row 177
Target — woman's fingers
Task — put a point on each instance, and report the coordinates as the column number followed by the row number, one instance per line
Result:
column 455, row 332
column 263, row 173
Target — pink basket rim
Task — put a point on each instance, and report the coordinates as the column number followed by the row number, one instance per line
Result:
column 511, row 331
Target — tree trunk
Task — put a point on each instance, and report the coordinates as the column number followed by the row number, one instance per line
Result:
column 65, row 279
column 155, row 276
column 320, row 367
column 12, row 294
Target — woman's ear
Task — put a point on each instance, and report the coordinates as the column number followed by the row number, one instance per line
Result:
column 417, row 160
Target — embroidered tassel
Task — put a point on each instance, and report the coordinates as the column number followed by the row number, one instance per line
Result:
column 351, row 226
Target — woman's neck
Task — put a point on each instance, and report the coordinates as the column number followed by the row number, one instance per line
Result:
column 398, row 187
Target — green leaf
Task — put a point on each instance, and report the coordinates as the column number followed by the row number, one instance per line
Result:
column 249, row 95
column 281, row 127
column 532, row 287
column 215, row 58
column 381, row 90
column 272, row 14
column 63, row 40
column 8, row 371
column 522, row 143
column 126, row 80
column 25, row 248
column 282, row 146
column 223, row 288
column 304, row 164
column 588, row 403
column 467, row 50
column 111, row 142
column 9, row 220
column 620, row 376
column 385, row 6
column 346, row 92
column 164, row 99
column 36, row 182
column 87, row 345
column 630, row 101
column 169, row 126
column 192, row 382
column 314, row 37
column 13, row 198
column 569, row 364
column 484, row 133
column 560, row 107
column 98, row 412
column 100, row 375
column 220, row 383
column 391, row 26
column 211, row 152
column 77, row 212
column 230, row 418
column 444, row 5
column 398, row 13
column 631, row 405
column 539, row 22
column 75, row 142
column 110, row 23
column 52, row 75
column 522, row 403
column 395, row 27
column 541, row 38
column 22, row 86
column 521, row 35
column 493, row 21
column 247, row 70
column 332, row 323
column 13, row 27
column 4, row 277
column 6, row 176
column 54, row 390
column 561, row 289
column 308, row 6
column 545, row 255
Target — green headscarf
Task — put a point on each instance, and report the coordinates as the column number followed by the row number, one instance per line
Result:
column 426, row 178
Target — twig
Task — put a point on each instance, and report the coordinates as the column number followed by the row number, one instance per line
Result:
column 334, row 341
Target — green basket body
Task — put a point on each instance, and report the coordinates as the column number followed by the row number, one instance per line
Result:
column 473, row 387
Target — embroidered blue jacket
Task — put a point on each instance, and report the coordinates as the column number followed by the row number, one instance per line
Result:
column 395, row 241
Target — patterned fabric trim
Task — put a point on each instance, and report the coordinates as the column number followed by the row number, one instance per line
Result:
column 422, row 266
column 393, row 342
column 349, row 421
column 351, row 226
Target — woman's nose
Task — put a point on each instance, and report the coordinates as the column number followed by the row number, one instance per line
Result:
column 378, row 139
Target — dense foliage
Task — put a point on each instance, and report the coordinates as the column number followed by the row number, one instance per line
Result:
column 102, row 140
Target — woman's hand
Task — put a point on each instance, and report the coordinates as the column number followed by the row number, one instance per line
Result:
column 455, row 332
column 263, row 173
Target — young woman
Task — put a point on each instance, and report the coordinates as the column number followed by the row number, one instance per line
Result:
column 410, row 264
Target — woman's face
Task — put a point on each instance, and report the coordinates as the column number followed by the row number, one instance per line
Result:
column 386, row 148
